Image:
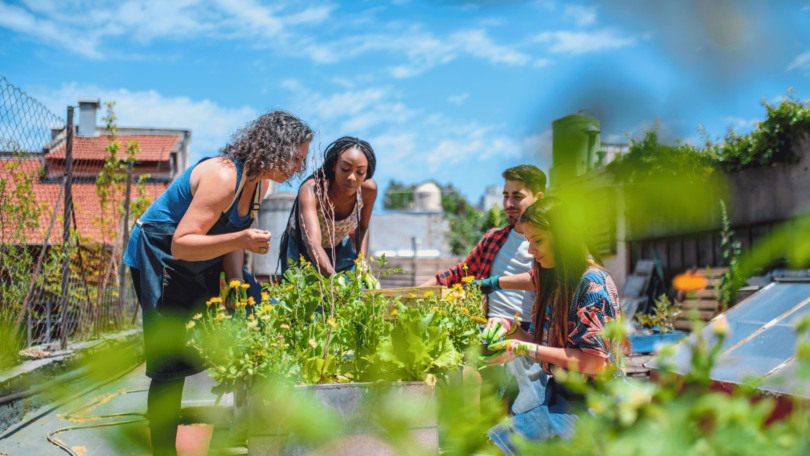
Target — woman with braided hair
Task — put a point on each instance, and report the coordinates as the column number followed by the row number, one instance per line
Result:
column 575, row 299
column 198, row 228
column 334, row 202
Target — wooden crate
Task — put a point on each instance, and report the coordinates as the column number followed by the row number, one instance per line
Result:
column 704, row 301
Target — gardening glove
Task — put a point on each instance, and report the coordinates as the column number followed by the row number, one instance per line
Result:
column 489, row 284
column 497, row 328
column 506, row 351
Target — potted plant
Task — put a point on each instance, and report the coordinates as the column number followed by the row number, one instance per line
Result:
column 327, row 343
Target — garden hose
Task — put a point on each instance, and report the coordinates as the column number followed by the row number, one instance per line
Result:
column 97, row 402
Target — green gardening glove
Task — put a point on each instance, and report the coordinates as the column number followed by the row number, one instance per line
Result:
column 497, row 328
column 489, row 284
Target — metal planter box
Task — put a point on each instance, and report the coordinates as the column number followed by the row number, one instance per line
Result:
column 360, row 409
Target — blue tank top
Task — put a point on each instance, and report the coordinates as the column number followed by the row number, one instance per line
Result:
column 172, row 205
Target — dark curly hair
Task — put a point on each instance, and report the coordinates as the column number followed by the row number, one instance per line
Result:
column 269, row 142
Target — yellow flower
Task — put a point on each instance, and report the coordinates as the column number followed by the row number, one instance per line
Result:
column 312, row 317
column 360, row 256
column 411, row 295
column 220, row 317
column 478, row 319
column 458, row 287
column 245, row 286
column 398, row 302
column 466, row 312
column 234, row 283
column 434, row 309
column 285, row 326
column 242, row 302
column 217, row 299
column 209, row 302
column 452, row 297
column 265, row 296
column 394, row 312
column 517, row 315
column 250, row 317
column 428, row 294
column 465, row 267
column 312, row 343
column 332, row 322
column 189, row 325
column 251, row 301
column 197, row 317
column 468, row 279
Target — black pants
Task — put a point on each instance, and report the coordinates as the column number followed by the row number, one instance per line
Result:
column 163, row 402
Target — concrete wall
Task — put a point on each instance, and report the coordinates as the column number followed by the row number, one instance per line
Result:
column 393, row 231
column 772, row 193
column 273, row 216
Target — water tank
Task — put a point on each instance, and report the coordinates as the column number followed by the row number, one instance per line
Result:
column 273, row 215
column 427, row 197
column 574, row 145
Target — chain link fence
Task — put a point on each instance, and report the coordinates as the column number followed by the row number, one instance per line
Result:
column 68, row 199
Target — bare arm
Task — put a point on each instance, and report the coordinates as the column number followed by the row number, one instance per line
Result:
column 523, row 281
column 369, row 197
column 570, row 358
column 312, row 229
column 432, row 282
column 232, row 263
column 213, row 186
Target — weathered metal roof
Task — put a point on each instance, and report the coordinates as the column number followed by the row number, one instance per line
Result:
column 761, row 341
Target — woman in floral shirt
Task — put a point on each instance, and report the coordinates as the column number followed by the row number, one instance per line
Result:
column 576, row 299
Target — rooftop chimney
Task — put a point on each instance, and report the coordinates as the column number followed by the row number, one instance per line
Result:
column 87, row 115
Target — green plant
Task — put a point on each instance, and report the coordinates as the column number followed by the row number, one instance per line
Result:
column 731, row 280
column 663, row 317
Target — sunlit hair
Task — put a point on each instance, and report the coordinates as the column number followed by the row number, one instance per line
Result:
column 270, row 142
column 558, row 285
column 335, row 150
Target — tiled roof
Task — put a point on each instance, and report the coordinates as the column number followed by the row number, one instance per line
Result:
column 93, row 223
column 153, row 148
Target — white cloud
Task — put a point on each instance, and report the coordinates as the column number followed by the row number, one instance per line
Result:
column 458, row 99
column 801, row 62
column 282, row 27
column 742, row 124
column 82, row 28
column 583, row 16
column 211, row 125
column 540, row 63
column 576, row 43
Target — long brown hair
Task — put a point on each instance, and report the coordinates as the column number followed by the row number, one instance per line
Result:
column 558, row 285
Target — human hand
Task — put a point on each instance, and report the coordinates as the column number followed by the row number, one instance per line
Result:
column 497, row 328
column 256, row 241
column 489, row 284
column 506, row 351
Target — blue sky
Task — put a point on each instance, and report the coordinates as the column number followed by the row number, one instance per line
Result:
column 445, row 90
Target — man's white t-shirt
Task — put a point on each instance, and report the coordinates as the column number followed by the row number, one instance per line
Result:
column 513, row 258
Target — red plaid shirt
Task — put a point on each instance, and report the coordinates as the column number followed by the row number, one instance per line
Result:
column 479, row 261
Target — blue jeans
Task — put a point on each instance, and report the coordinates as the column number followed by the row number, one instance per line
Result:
column 554, row 418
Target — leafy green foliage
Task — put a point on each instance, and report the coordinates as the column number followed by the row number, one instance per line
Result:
column 398, row 195
column 419, row 345
column 663, row 317
column 771, row 141
column 732, row 280
column 329, row 330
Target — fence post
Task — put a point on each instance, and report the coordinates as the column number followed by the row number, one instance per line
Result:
column 66, row 231
column 124, row 242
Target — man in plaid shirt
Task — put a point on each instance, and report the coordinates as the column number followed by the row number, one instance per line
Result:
column 503, row 251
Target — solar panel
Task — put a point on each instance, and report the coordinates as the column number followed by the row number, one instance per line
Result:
column 761, row 340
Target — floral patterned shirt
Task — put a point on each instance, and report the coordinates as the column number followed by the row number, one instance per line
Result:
column 596, row 302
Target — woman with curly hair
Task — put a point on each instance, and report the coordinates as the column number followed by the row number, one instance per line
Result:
column 196, row 229
column 332, row 203
column 575, row 299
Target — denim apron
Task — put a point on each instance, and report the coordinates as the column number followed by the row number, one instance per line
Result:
column 179, row 289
